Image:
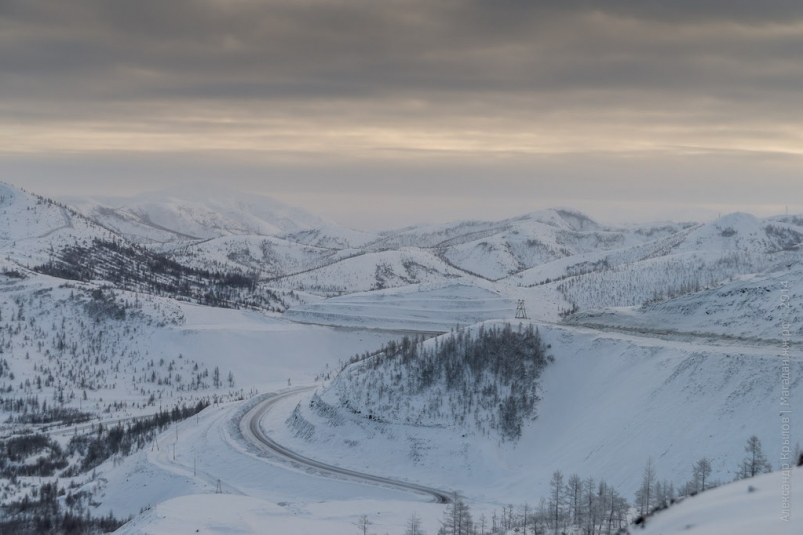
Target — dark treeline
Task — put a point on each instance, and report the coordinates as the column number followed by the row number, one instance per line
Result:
column 97, row 447
column 584, row 506
column 134, row 268
column 30, row 411
column 489, row 378
column 574, row 505
column 52, row 510
column 90, row 449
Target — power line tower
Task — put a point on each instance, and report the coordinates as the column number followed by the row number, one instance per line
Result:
column 521, row 312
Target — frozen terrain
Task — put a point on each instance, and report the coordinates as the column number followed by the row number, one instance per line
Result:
column 667, row 342
column 609, row 401
column 421, row 307
column 741, row 508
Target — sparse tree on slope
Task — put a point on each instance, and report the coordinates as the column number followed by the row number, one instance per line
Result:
column 457, row 518
column 363, row 523
column 755, row 462
column 524, row 510
column 414, row 525
column 645, row 496
column 556, row 500
column 702, row 471
column 574, row 495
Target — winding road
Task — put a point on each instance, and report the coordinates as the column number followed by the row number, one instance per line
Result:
column 251, row 430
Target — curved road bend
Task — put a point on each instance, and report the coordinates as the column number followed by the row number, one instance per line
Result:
column 249, row 425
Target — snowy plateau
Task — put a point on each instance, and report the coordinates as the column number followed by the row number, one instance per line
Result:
column 203, row 361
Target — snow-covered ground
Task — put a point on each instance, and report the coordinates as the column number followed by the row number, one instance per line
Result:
column 752, row 307
column 692, row 372
column 744, row 507
column 609, row 401
column 421, row 307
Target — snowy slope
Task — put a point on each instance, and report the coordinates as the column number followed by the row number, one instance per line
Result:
column 608, row 402
column 231, row 513
column 33, row 229
column 373, row 271
column 747, row 507
column 124, row 346
column 331, row 236
column 269, row 256
column 498, row 249
column 420, row 307
column 675, row 379
column 543, row 237
column 200, row 212
column 751, row 307
column 696, row 258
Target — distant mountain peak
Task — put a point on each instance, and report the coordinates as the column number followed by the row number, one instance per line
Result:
column 199, row 211
column 562, row 217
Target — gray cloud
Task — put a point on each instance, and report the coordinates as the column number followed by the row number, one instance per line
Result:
column 457, row 92
column 289, row 49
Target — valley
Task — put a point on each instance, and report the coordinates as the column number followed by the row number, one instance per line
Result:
column 315, row 367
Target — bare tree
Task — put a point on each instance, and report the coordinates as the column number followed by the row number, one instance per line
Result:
column 574, row 495
column 556, row 499
column 525, row 516
column 645, row 495
column 701, row 470
column 457, row 518
column 363, row 523
column 755, row 462
column 414, row 525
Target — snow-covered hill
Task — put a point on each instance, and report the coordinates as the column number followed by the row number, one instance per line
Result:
column 34, row 229
column 744, row 507
column 700, row 257
column 373, row 271
column 542, row 237
column 494, row 250
column 608, row 401
column 269, row 256
column 201, row 212
column 751, row 307
column 691, row 373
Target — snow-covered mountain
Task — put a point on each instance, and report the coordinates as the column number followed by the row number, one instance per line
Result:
column 497, row 249
column 607, row 403
column 752, row 307
column 35, row 229
column 373, row 271
column 194, row 213
column 102, row 318
column 270, row 256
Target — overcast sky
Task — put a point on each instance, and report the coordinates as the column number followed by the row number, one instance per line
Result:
column 381, row 113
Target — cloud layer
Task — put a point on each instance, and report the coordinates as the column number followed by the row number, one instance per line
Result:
column 458, row 91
